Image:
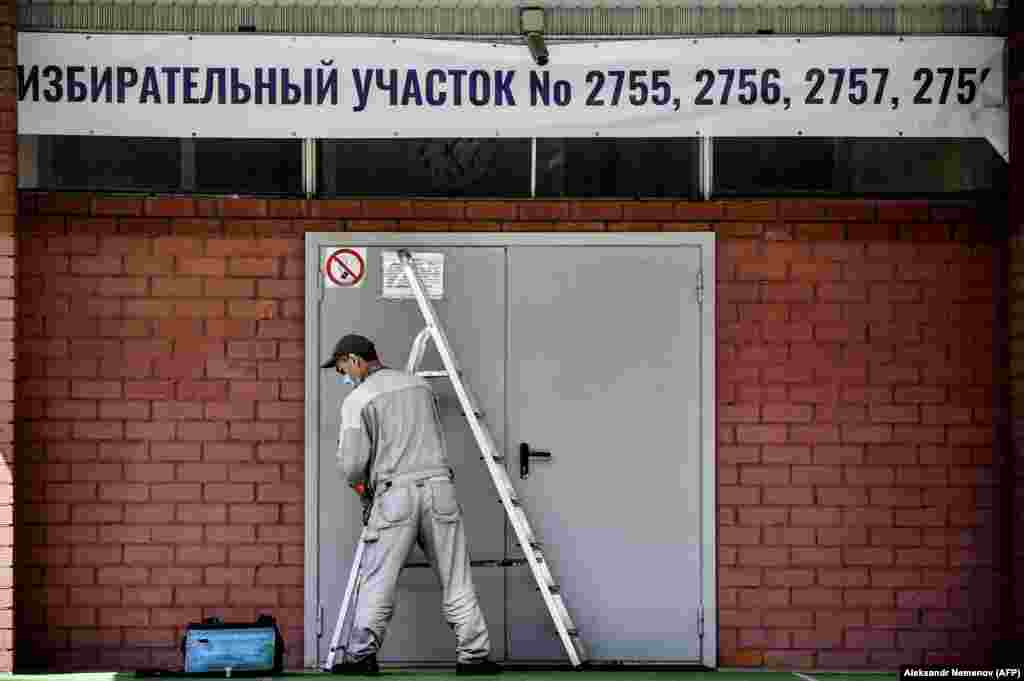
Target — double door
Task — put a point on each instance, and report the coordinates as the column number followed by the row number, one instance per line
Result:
column 591, row 353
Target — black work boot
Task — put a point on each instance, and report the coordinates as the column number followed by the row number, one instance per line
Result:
column 484, row 666
column 364, row 667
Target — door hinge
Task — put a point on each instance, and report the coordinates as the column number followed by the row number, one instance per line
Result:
column 700, row 287
column 700, row 623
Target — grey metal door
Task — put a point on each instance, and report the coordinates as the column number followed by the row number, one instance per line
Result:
column 605, row 374
column 473, row 310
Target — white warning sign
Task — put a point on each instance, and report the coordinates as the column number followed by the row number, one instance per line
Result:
column 344, row 267
column 429, row 268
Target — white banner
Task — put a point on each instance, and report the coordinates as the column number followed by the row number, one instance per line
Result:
column 369, row 87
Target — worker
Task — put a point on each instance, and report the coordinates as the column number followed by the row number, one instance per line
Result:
column 391, row 450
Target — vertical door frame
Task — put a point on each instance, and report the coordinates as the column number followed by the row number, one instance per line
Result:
column 708, row 363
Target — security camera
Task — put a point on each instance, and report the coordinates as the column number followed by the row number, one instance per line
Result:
column 538, row 50
column 532, row 22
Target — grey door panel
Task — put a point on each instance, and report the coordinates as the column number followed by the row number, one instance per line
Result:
column 473, row 309
column 605, row 358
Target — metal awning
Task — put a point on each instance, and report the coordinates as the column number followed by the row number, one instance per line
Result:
column 495, row 18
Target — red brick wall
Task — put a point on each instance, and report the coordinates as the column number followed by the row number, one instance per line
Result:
column 8, row 211
column 1014, row 464
column 160, row 394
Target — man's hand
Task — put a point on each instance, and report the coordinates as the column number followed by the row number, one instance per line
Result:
column 365, row 498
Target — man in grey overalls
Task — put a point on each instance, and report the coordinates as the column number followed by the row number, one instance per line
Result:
column 391, row 442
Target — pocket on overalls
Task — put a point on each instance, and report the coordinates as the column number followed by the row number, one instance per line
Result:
column 395, row 506
column 443, row 503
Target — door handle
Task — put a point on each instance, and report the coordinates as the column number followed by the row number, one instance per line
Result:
column 524, row 459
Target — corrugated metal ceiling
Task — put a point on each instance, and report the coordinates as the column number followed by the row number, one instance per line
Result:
column 501, row 17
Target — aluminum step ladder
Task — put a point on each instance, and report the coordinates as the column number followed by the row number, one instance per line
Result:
column 549, row 590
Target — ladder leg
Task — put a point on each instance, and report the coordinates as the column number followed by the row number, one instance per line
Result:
column 349, row 589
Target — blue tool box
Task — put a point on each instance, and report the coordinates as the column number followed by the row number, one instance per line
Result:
column 216, row 647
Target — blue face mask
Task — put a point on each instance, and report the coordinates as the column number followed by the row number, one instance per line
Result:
column 347, row 380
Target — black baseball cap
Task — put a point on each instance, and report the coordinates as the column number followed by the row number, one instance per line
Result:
column 352, row 344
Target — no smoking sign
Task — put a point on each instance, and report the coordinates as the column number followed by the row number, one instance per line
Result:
column 344, row 267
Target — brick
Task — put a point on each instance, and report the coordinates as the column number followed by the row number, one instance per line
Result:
column 869, row 475
column 235, row 576
column 207, row 596
column 83, row 389
column 72, row 409
column 243, row 369
column 98, row 430
column 254, row 267
column 169, row 207
column 281, row 452
column 179, row 366
column 201, row 266
column 281, row 329
column 230, row 411
column 762, row 434
column 787, row 413
column 740, row 535
column 816, row 475
column 175, row 451
column 752, row 514
column 202, row 431
column 198, row 308
column 920, row 517
column 867, row 434
column 814, row 556
column 177, row 534
column 923, row 475
column 230, row 534
column 177, row 287
column 764, row 556
column 200, row 555
column 282, row 492
column 149, row 472
column 763, row 598
column 148, row 309
column 820, row 232
column 817, row 597
column 254, row 514
column 939, row 640
column 176, row 411
column 732, row 496
column 134, row 329
column 785, row 454
column 921, row 557
column 939, row 415
column 815, row 517
column 205, row 472
column 252, row 309
column 148, row 390
column 840, row 496
column 842, row 536
column 769, row 475
column 230, row 493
